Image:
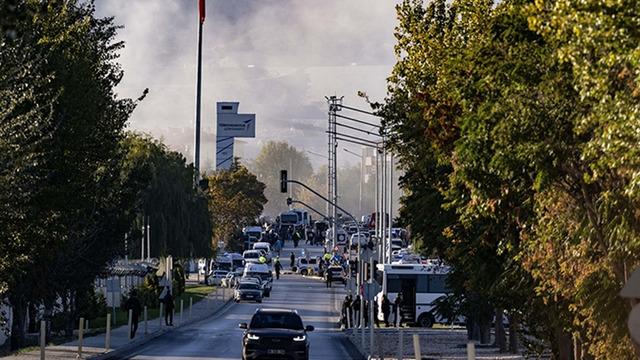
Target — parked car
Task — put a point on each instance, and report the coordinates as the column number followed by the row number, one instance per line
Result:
column 248, row 291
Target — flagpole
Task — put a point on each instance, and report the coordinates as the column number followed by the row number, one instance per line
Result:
column 196, row 157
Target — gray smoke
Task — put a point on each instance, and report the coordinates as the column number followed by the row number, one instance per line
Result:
column 279, row 58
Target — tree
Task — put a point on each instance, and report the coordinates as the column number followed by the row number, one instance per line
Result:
column 236, row 199
column 61, row 124
column 178, row 212
column 273, row 157
column 516, row 133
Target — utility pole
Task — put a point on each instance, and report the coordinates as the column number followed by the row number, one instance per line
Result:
column 196, row 155
column 332, row 173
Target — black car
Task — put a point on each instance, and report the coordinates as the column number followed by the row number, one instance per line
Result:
column 337, row 274
column 275, row 334
column 248, row 291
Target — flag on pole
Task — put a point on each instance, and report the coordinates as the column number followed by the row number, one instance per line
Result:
column 202, row 11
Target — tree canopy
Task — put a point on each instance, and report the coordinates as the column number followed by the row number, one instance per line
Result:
column 236, row 199
column 273, row 157
column 515, row 126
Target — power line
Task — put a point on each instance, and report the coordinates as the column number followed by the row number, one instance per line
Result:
column 358, row 121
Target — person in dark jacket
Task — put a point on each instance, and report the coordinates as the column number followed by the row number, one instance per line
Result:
column 397, row 309
column 346, row 311
column 329, row 278
column 375, row 312
column 169, row 306
column 293, row 260
column 355, row 309
column 366, row 313
column 277, row 266
column 386, row 309
column 133, row 304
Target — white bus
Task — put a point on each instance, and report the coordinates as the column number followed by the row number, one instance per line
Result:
column 420, row 285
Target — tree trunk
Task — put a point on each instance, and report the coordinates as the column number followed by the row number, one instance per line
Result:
column 564, row 345
column 513, row 334
column 501, row 340
column 18, row 326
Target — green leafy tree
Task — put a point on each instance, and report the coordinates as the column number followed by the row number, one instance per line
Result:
column 63, row 123
column 273, row 157
column 178, row 213
column 236, row 199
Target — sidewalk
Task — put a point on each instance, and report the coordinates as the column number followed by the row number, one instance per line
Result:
column 444, row 344
column 93, row 347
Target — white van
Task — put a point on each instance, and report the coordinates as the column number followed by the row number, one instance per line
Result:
column 266, row 247
column 251, row 256
column 261, row 271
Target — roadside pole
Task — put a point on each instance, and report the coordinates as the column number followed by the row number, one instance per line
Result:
column 416, row 346
column 190, row 306
column 181, row 310
column 371, row 312
column 471, row 350
column 80, row 331
column 43, row 338
column 107, row 336
column 146, row 327
column 160, row 316
column 129, row 323
column 400, row 345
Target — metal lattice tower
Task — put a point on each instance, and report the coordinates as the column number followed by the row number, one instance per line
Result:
column 332, row 170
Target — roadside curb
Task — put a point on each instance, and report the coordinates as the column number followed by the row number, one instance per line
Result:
column 119, row 352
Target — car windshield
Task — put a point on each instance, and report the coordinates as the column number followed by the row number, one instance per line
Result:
column 251, row 255
column 276, row 320
column 249, row 287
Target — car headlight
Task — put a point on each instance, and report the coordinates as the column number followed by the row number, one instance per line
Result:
column 300, row 338
column 253, row 337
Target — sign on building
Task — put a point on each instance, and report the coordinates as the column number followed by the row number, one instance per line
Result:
column 230, row 125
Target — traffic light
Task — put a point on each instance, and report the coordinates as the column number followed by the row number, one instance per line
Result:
column 289, row 201
column 284, row 186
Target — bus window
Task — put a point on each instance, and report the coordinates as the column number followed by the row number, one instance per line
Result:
column 438, row 283
column 393, row 283
column 423, row 284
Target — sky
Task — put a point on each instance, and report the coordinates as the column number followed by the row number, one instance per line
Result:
column 278, row 58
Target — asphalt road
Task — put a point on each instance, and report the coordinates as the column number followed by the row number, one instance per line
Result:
column 220, row 338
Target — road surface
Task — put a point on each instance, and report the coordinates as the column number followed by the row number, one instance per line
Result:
column 220, row 338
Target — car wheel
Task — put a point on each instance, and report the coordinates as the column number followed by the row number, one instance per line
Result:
column 259, row 301
column 303, row 272
column 426, row 320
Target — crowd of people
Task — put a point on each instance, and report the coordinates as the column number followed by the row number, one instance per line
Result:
column 350, row 313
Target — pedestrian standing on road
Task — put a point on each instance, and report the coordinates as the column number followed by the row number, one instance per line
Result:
column 366, row 313
column 278, row 267
column 329, row 278
column 355, row 309
column 346, row 308
column 133, row 304
column 386, row 309
column 169, row 306
column 397, row 309
column 293, row 260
